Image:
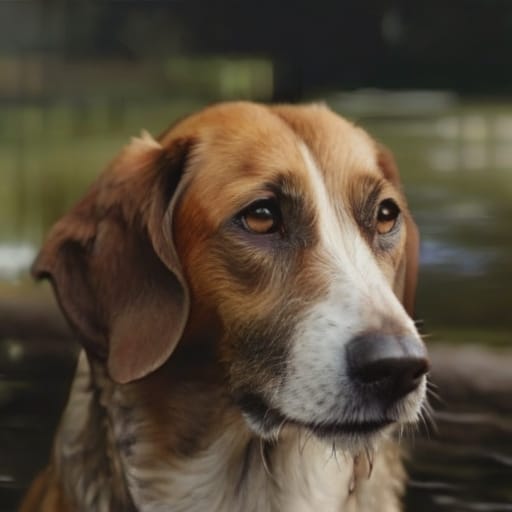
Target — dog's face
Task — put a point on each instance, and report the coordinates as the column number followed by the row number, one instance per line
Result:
column 284, row 226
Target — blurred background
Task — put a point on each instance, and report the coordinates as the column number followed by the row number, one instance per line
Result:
column 432, row 80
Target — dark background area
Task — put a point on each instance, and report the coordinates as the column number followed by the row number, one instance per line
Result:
column 461, row 45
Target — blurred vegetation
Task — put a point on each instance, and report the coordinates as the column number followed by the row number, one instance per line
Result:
column 460, row 45
column 77, row 79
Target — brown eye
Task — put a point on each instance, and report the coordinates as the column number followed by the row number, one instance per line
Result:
column 387, row 216
column 261, row 217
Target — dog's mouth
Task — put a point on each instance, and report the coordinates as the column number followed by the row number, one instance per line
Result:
column 268, row 422
column 334, row 429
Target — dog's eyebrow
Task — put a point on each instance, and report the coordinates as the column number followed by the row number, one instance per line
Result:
column 286, row 185
column 364, row 194
column 282, row 187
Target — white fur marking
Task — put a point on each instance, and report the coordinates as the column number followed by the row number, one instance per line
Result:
column 317, row 388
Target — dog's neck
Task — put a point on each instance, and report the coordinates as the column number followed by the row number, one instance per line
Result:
column 164, row 457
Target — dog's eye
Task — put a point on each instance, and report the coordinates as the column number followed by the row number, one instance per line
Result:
column 261, row 217
column 387, row 216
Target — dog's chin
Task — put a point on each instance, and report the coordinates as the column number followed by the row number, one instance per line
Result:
column 270, row 424
column 352, row 438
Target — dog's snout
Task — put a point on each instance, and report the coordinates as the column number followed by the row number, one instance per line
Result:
column 395, row 365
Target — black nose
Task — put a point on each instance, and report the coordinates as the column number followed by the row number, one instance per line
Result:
column 393, row 365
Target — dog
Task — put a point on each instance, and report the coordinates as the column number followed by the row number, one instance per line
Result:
column 242, row 286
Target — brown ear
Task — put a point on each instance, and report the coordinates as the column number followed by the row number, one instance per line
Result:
column 407, row 275
column 113, row 264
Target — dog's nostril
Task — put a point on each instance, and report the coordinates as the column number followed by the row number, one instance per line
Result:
column 421, row 369
column 411, row 378
column 385, row 368
column 396, row 364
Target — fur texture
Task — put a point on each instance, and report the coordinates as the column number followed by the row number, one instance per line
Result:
column 215, row 375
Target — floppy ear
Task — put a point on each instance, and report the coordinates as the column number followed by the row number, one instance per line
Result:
column 113, row 264
column 407, row 275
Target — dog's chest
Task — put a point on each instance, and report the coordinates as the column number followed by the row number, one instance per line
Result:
column 232, row 473
column 227, row 479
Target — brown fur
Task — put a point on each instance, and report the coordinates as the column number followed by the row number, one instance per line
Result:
column 150, row 257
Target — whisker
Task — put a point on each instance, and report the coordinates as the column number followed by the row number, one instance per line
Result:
column 428, row 412
column 264, row 461
column 432, row 384
column 400, row 433
column 301, row 448
column 419, row 322
column 411, row 430
column 278, row 432
column 335, row 454
column 432, row 392
column 309, row 435
column 369, row 459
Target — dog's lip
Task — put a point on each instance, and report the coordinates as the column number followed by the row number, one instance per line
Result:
column 271, row 418
column 334, row 429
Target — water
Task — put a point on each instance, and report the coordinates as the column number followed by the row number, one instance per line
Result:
column 456, row 163
column 457, row 168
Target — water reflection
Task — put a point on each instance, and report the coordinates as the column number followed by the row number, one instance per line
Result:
column 457, row 166
column 15, row 260
column 456, row 259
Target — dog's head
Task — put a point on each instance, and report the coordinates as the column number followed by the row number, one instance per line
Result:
column 280, row 235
